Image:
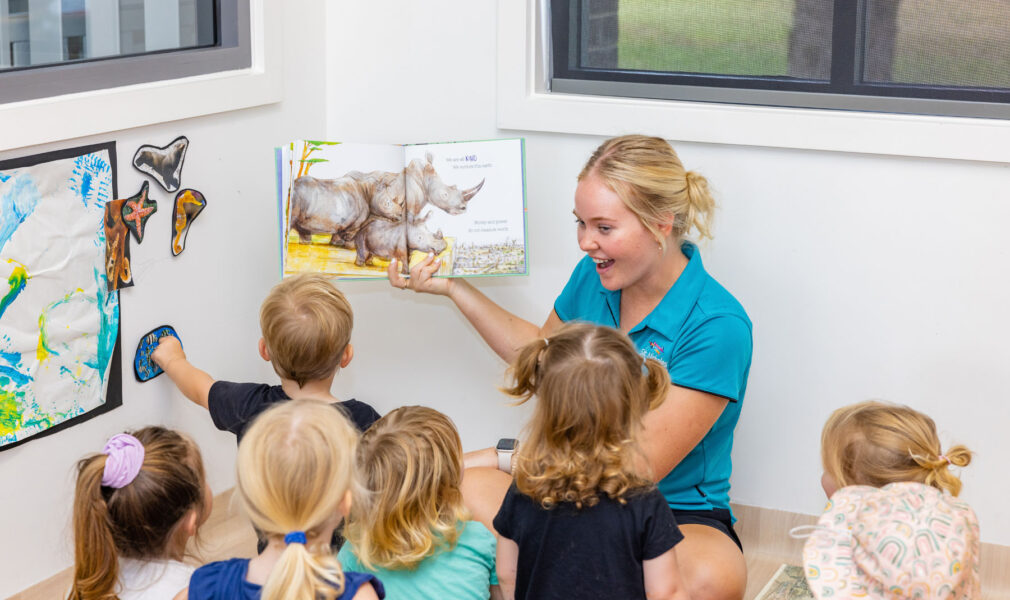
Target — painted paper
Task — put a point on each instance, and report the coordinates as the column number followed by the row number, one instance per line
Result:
column 59, row 324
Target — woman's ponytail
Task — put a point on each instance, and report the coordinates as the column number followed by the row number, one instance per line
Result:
column 700, row 207
column 96, row 559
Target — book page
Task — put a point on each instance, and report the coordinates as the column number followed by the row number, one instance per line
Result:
column 466, row 203
column 329, row 193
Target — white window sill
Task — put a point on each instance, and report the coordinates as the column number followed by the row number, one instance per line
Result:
column 524, row 104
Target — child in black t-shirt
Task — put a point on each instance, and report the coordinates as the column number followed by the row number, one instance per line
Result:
column 306, row 324
column 582, row 519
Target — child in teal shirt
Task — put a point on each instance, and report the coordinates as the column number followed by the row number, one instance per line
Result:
column 410, row 527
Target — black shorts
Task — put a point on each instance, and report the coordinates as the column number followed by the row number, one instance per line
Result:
column 718, row 518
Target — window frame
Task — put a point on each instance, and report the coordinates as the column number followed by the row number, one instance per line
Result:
column 525, row 103
column 844, row 90
column 180, row 92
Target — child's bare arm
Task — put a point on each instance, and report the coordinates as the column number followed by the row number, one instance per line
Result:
column 662, row 578
column 192, row 382
column 506, row 559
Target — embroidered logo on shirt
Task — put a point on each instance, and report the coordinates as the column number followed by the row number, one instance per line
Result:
column 656, row 347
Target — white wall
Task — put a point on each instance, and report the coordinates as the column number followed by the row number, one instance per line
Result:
column 865, row 276
column 210, row 293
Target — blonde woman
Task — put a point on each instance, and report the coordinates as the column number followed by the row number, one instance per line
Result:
column 295, row 476
column 411, row 528
column 582, row 519
column 635, row 206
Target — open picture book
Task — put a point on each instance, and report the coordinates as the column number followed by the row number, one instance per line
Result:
column 348, row 209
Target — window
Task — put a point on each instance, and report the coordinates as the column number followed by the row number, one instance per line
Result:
column 903, row 56
column 55, row 47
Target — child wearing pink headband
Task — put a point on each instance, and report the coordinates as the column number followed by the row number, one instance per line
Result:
column 135, row 507
column 893, row 527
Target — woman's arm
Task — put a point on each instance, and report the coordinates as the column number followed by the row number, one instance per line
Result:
column 674, row 428
column 504, row 332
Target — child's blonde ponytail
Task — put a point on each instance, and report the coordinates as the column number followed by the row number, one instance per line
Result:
column 295, row 471
column 301, row 574
column 938, row 472
column 657, row 382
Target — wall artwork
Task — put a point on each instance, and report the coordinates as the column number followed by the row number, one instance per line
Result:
column 163, row 164
column 59, row 324
column 188, row 204
column 118, row 272
column 137, row 209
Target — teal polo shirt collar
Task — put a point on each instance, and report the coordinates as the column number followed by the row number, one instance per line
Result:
column 670, row 315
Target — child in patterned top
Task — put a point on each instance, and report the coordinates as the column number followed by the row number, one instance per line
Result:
column 136, row 505
column 893, row 527
column 295, row 473
column 411, row 527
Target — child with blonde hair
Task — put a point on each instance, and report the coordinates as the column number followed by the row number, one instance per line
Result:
column 295, row 475
column 306, row 324
column 411, row 527
column 136, row 505
column 583, row 518
column 893, row 527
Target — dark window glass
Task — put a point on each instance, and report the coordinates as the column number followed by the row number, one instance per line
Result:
column 913, row 56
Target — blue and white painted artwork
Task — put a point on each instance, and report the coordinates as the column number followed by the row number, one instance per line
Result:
column 58, row 323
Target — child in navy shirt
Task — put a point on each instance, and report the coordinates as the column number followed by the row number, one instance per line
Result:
column 306, row 324
column 294, row 479
column 582, row 520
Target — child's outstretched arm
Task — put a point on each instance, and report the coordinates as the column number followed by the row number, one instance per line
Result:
column 506, row 561
column 662, row 578
column 192, row 382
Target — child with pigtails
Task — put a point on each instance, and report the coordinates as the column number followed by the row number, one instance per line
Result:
column 583, row 518
column 894, row 527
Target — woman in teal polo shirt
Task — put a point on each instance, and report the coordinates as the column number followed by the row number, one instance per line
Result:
column 634, row 205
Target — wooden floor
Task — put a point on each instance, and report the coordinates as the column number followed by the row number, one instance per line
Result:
column 764, row 533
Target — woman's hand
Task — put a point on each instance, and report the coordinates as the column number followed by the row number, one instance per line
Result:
column 421, row 277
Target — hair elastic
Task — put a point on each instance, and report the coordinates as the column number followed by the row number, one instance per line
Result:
column 944, row 457
column 125, row 457
column 547, row 342
column 295, row 537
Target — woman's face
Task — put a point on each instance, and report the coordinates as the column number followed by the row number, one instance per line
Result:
column 625, row 251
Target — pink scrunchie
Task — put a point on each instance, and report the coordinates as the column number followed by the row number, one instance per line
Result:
column 125, row 457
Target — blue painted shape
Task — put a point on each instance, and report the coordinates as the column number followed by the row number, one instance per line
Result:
column 144, row 368
column 15, row 376
column 91, row 178
column 16, row 205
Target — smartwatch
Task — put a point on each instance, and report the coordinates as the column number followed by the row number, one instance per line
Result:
column 505, row 449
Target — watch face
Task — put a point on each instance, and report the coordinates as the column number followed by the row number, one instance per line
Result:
column 507, row 444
